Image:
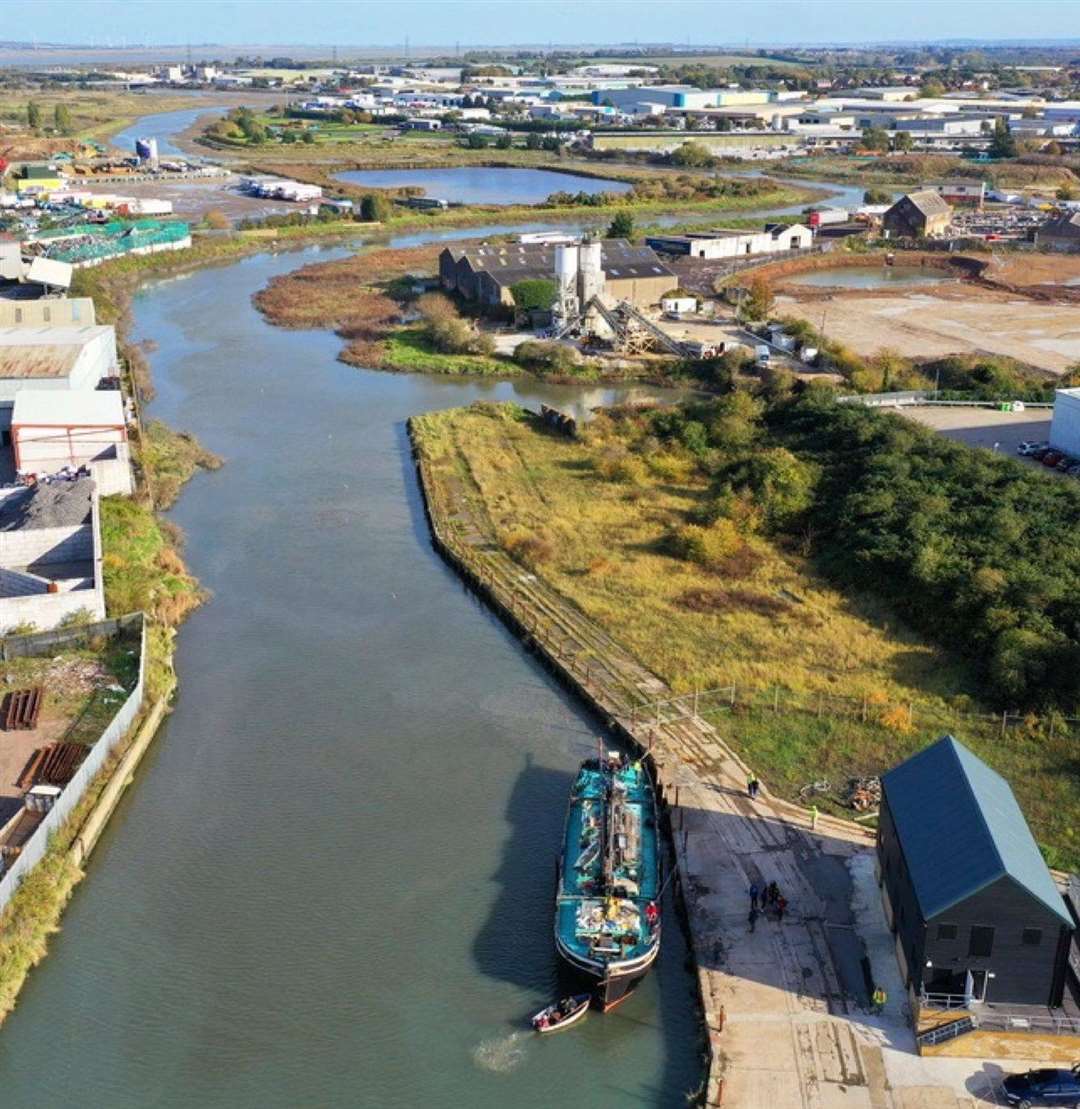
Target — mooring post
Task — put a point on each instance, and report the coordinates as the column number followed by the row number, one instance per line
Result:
column 695, row 700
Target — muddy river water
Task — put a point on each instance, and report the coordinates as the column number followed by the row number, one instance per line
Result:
column 332, row 883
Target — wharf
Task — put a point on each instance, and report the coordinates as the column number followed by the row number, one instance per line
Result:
column 784, row 1027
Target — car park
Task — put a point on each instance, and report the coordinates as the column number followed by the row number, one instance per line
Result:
column 1043, row 1087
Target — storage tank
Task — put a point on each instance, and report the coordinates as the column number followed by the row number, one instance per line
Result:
column 592, row 272
column 147, row 150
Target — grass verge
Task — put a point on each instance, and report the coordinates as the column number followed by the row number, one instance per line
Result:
column 596, row 525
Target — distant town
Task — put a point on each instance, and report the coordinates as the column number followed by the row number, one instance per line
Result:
column 630, row 499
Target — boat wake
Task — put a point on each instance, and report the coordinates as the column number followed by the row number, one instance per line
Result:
column 501, row 1054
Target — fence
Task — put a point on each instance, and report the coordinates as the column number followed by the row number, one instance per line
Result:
column 34, row 849
column 902, row 716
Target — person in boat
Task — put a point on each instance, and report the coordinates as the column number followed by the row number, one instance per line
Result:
column 652, row 914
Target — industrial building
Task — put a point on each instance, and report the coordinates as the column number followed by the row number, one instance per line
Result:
column 732, row 243
column 487, row 273
column 975, row 911
column 53, row 359
column 50, row 554
column 959, row 192
column 921, row 214
column 1065, row 427
column 51, row 431
column 1061, row 233
column 48, row 312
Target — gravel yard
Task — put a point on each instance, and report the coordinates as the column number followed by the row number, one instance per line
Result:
column 951, row 320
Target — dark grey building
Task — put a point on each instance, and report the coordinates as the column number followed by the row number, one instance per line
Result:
column 975, row 910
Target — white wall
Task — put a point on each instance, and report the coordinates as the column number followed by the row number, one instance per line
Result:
column 49, row 449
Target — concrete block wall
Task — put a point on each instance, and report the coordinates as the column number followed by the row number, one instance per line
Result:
column 29, row 545
column 18, row 583
column 47, row 610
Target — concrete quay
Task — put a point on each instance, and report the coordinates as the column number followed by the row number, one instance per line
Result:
column 785, row 1004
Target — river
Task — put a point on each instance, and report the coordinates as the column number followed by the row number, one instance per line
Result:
column 332, row 881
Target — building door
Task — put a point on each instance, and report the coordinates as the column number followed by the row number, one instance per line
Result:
column 975, row 986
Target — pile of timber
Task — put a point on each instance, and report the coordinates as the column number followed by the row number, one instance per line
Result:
column 21, row 708
column 54, row 764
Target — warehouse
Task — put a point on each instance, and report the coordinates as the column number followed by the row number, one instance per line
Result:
column 919, row 214
column 959, row 192
column 487, row 273
column 1065, row 428
column 975, row 911
column 53, row 358
column 51, row 431
column 48, row 312
column 1062, row 233
column 733, row 243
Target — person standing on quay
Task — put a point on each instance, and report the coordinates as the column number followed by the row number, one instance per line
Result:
column 752, row 786
column 753, row 895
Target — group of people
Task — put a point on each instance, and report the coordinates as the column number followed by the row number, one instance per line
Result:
column 766, row 901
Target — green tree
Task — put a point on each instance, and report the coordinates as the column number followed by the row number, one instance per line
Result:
column 692, row 155
column 308, row 136
column 877, row 196
column 759, row 301
column 932, row 87
column 902, row 141
column 533, row 141
column 621, row 226
column 62, row 119
column 33, row 116
column 1066, row 192
column 534, row 294
column 875, row 138
column 1002, row 145
column 475, row 141
column 374, row 208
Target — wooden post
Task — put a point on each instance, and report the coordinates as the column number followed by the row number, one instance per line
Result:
column 695, row 701
column 864, row 710
column 733, row 695
column 1004, row 722
column 819, row 696
column 676, row 797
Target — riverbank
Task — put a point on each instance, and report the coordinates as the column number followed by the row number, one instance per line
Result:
column 143, row 571
column 698, row 777
column 808, row 682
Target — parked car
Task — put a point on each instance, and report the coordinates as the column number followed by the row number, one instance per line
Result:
column 1051, row 458
column 1030, row 446
column 1039, row 453
column 1043, row 1087
column 1066, row 463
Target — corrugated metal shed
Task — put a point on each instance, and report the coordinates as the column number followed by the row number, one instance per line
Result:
column 960, row 829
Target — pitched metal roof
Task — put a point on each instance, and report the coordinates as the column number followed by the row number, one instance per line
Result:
column 1066, row 226
column 927, row 201
column 961, row 829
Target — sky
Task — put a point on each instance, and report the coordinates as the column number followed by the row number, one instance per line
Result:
column 503, row 22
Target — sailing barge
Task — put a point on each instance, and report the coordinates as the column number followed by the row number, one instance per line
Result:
column 607, row 912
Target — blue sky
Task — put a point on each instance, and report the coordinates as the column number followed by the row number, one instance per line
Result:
column 500, row 22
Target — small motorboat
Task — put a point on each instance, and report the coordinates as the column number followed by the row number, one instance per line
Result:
column 562, row 1014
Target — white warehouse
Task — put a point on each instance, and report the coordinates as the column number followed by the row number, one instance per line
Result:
column 53, row 358
column 1065, row 429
